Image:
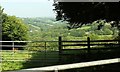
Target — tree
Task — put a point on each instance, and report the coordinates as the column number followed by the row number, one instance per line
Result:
column 14, row 29
column 1, row 13
column 77, row 33
column 79, row 13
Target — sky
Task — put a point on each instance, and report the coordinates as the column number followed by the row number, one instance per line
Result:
column 28, row 8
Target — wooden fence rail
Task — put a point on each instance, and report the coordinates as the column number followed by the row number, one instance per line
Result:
column 61, row 43
column 13, row 45
column 87, row 43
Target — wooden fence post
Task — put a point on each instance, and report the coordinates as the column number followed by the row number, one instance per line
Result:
column 60, row 44
column 88, row 42
column 60, row 48
column 119, row 42
column 56, row 70
column 45, row 52
column 13, row 48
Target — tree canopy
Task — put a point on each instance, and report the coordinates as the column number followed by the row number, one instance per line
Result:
column 13, row 28
column 79, row 13
column 1, row 11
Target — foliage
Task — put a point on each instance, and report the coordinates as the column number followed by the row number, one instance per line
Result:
column 93, row 36
column 1, row 14
column 77, row 33
column 14, row 29
column 78, row 13
column 42, row 29
column 47, row 29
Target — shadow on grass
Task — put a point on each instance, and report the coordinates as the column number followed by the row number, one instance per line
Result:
column 73, row 56
column 42, row 59
column 100, row 68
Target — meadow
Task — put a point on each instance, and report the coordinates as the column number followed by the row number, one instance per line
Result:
column 47, row 29
column 22, row 59
column 15, row 60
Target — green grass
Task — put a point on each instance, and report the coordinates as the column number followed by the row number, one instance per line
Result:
column 27, row 59
column 9, row 57
column 42, row 59
column 31, row 59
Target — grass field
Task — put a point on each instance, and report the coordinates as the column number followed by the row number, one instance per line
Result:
column 13, row 60
column 26, row 59
column 22, row 59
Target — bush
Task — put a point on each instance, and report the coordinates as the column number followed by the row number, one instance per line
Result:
column 14, row 29
column 93, row 36
column 107, row 32
column 77, row 33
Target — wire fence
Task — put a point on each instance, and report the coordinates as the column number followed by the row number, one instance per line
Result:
column 30, row 45
column 29, row 48
column 24, row 52
column 49, row 52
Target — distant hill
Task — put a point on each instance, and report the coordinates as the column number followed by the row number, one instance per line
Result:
column 50, row 29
